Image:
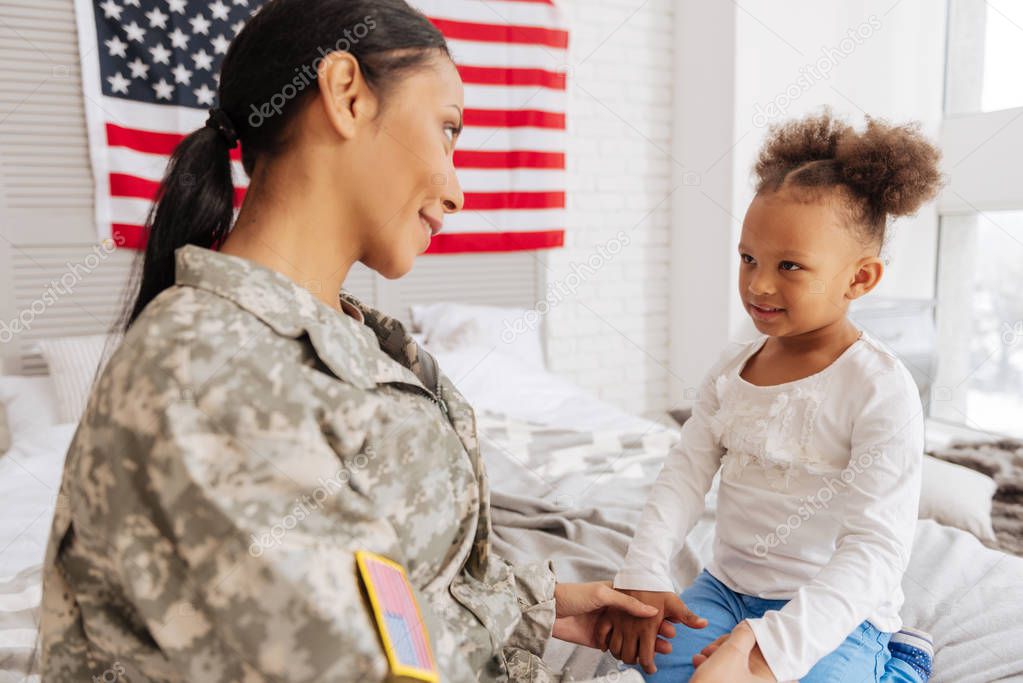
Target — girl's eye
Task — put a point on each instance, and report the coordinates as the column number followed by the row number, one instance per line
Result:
column 746, row 258
column 789, row 265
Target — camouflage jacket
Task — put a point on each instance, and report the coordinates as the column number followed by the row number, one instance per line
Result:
column 242, row 442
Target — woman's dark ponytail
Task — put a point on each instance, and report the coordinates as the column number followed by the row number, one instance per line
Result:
column 194, row 205
column 269, row 68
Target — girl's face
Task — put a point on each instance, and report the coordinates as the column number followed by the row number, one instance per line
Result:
column 407, row 182
column 800, row 265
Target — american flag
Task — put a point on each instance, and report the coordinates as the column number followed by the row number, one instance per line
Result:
column 150, row 70
column 401, row 626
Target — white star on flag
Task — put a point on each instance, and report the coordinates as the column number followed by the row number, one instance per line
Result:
column 181, row 74
column 204, row 95
column 220, row 44
column 178, row 38
column 157, row 19
column 203, row 60
column 135, row 32
column 219, row 10
column 139, row 69
column 163, row 89
column 118, row 83
column 117, row 47
column 161, row 55
column 111, row 9
column 200, row 24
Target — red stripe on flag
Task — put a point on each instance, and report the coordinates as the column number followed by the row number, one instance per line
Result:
column 493, row 201
column 511, row 159
column 502, row 33
column 124, row 185
column 456, row 242
column 485, row 75
column 514, row 118
column 150, row 142
column 128, row 236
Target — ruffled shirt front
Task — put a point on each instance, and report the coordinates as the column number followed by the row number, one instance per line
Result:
column 820, row 484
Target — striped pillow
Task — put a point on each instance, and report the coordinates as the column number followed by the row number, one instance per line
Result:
column 74, row 362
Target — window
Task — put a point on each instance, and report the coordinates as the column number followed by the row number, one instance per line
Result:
column 980, row 381
column 979, row 377
column 985, row 49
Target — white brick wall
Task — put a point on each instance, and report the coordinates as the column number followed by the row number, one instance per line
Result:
column 608, row 330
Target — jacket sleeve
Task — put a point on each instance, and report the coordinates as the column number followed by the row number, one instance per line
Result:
column 676, row 499
column 240, row 555
column 873, row 546
column 534, row 588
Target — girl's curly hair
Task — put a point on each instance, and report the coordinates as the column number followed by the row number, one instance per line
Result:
column 883, row 171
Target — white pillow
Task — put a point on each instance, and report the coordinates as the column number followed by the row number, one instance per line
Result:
column 30, row 404
column 73, row 363
column 513, row 331
column 957, row 496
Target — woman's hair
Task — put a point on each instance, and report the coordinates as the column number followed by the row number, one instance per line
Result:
column 269, row 69
column 883, row 171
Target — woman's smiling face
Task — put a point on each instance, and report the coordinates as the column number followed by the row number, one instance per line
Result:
column 408, row 183
column 799, row 263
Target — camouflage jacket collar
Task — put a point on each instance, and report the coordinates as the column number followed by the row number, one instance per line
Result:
column 377, row 351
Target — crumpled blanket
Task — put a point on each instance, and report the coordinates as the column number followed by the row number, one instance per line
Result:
column 1002, row 460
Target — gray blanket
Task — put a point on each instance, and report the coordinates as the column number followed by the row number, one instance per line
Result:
column 585, row 544
column 1002, row 460
column 542, row 480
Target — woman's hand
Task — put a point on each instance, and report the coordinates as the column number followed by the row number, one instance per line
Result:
column 734, row 657
column 580, row 606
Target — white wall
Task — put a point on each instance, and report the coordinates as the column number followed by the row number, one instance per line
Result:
column 608, row 330
column 884, row 58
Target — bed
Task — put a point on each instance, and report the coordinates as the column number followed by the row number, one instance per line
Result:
column 569, row 474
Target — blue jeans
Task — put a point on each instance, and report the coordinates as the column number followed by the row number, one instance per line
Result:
column 863, row 657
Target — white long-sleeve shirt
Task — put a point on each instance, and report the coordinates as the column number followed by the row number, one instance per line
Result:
column 820, row 483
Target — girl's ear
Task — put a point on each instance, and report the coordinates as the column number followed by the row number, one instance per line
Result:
column 344, row 94
column 869, row 272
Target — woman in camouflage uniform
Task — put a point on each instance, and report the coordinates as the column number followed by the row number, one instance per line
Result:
column 253, row 430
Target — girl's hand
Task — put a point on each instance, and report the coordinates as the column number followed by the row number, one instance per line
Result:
column 635, row 640
column 734, row 657
column 581, row 608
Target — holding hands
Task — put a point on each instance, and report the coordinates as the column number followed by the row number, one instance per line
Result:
column 635, row 639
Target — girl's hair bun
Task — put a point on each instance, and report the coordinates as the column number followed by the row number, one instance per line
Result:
column 896, row 166
column 885, row 170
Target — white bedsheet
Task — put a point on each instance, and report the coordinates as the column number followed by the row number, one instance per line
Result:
column 29, row 483
column 494, row 381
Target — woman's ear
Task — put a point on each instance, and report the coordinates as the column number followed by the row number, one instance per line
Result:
column 869, row 272
column 344, row 94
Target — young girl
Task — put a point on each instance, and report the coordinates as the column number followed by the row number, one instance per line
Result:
column 816, row 427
